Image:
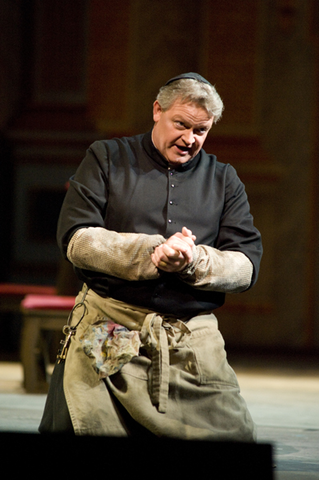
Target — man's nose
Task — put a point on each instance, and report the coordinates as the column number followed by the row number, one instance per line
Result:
column 188, row 137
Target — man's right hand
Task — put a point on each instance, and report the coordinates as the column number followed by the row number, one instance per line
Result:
column 176, row 252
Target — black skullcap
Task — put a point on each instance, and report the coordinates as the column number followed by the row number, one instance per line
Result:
column 191, row 75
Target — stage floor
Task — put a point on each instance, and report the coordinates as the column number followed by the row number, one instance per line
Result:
column 283, row 398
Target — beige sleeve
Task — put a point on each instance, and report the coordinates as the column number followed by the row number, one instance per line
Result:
column 122, row 255
column 212, row 269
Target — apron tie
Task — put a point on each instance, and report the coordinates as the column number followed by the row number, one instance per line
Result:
column 160, row 336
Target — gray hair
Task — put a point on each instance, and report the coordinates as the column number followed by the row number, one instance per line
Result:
column 189, row 90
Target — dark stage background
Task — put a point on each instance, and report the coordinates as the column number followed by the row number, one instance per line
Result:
column 73, row 71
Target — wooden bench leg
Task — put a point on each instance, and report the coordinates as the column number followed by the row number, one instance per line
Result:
column 29, row 353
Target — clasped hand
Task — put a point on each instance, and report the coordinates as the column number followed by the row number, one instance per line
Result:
column 176, row 252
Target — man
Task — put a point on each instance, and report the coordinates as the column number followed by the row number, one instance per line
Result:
column 158, row 231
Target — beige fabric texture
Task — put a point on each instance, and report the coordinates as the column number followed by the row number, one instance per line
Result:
column 211, row 269
column 128, row 256
column 122, row 255
column 191, row 393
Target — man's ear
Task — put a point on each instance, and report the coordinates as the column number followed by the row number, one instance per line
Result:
column 157, row 111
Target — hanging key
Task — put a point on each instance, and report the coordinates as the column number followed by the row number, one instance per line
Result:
column 68, row 332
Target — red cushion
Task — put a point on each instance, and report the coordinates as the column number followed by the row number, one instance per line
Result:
column 24, row 289
column 48, row 302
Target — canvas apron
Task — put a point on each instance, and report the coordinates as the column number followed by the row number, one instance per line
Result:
column 180, row 385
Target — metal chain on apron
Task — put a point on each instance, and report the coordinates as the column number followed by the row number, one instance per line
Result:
column 69, row 330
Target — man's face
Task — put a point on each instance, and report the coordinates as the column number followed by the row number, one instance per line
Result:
column 180, row 132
